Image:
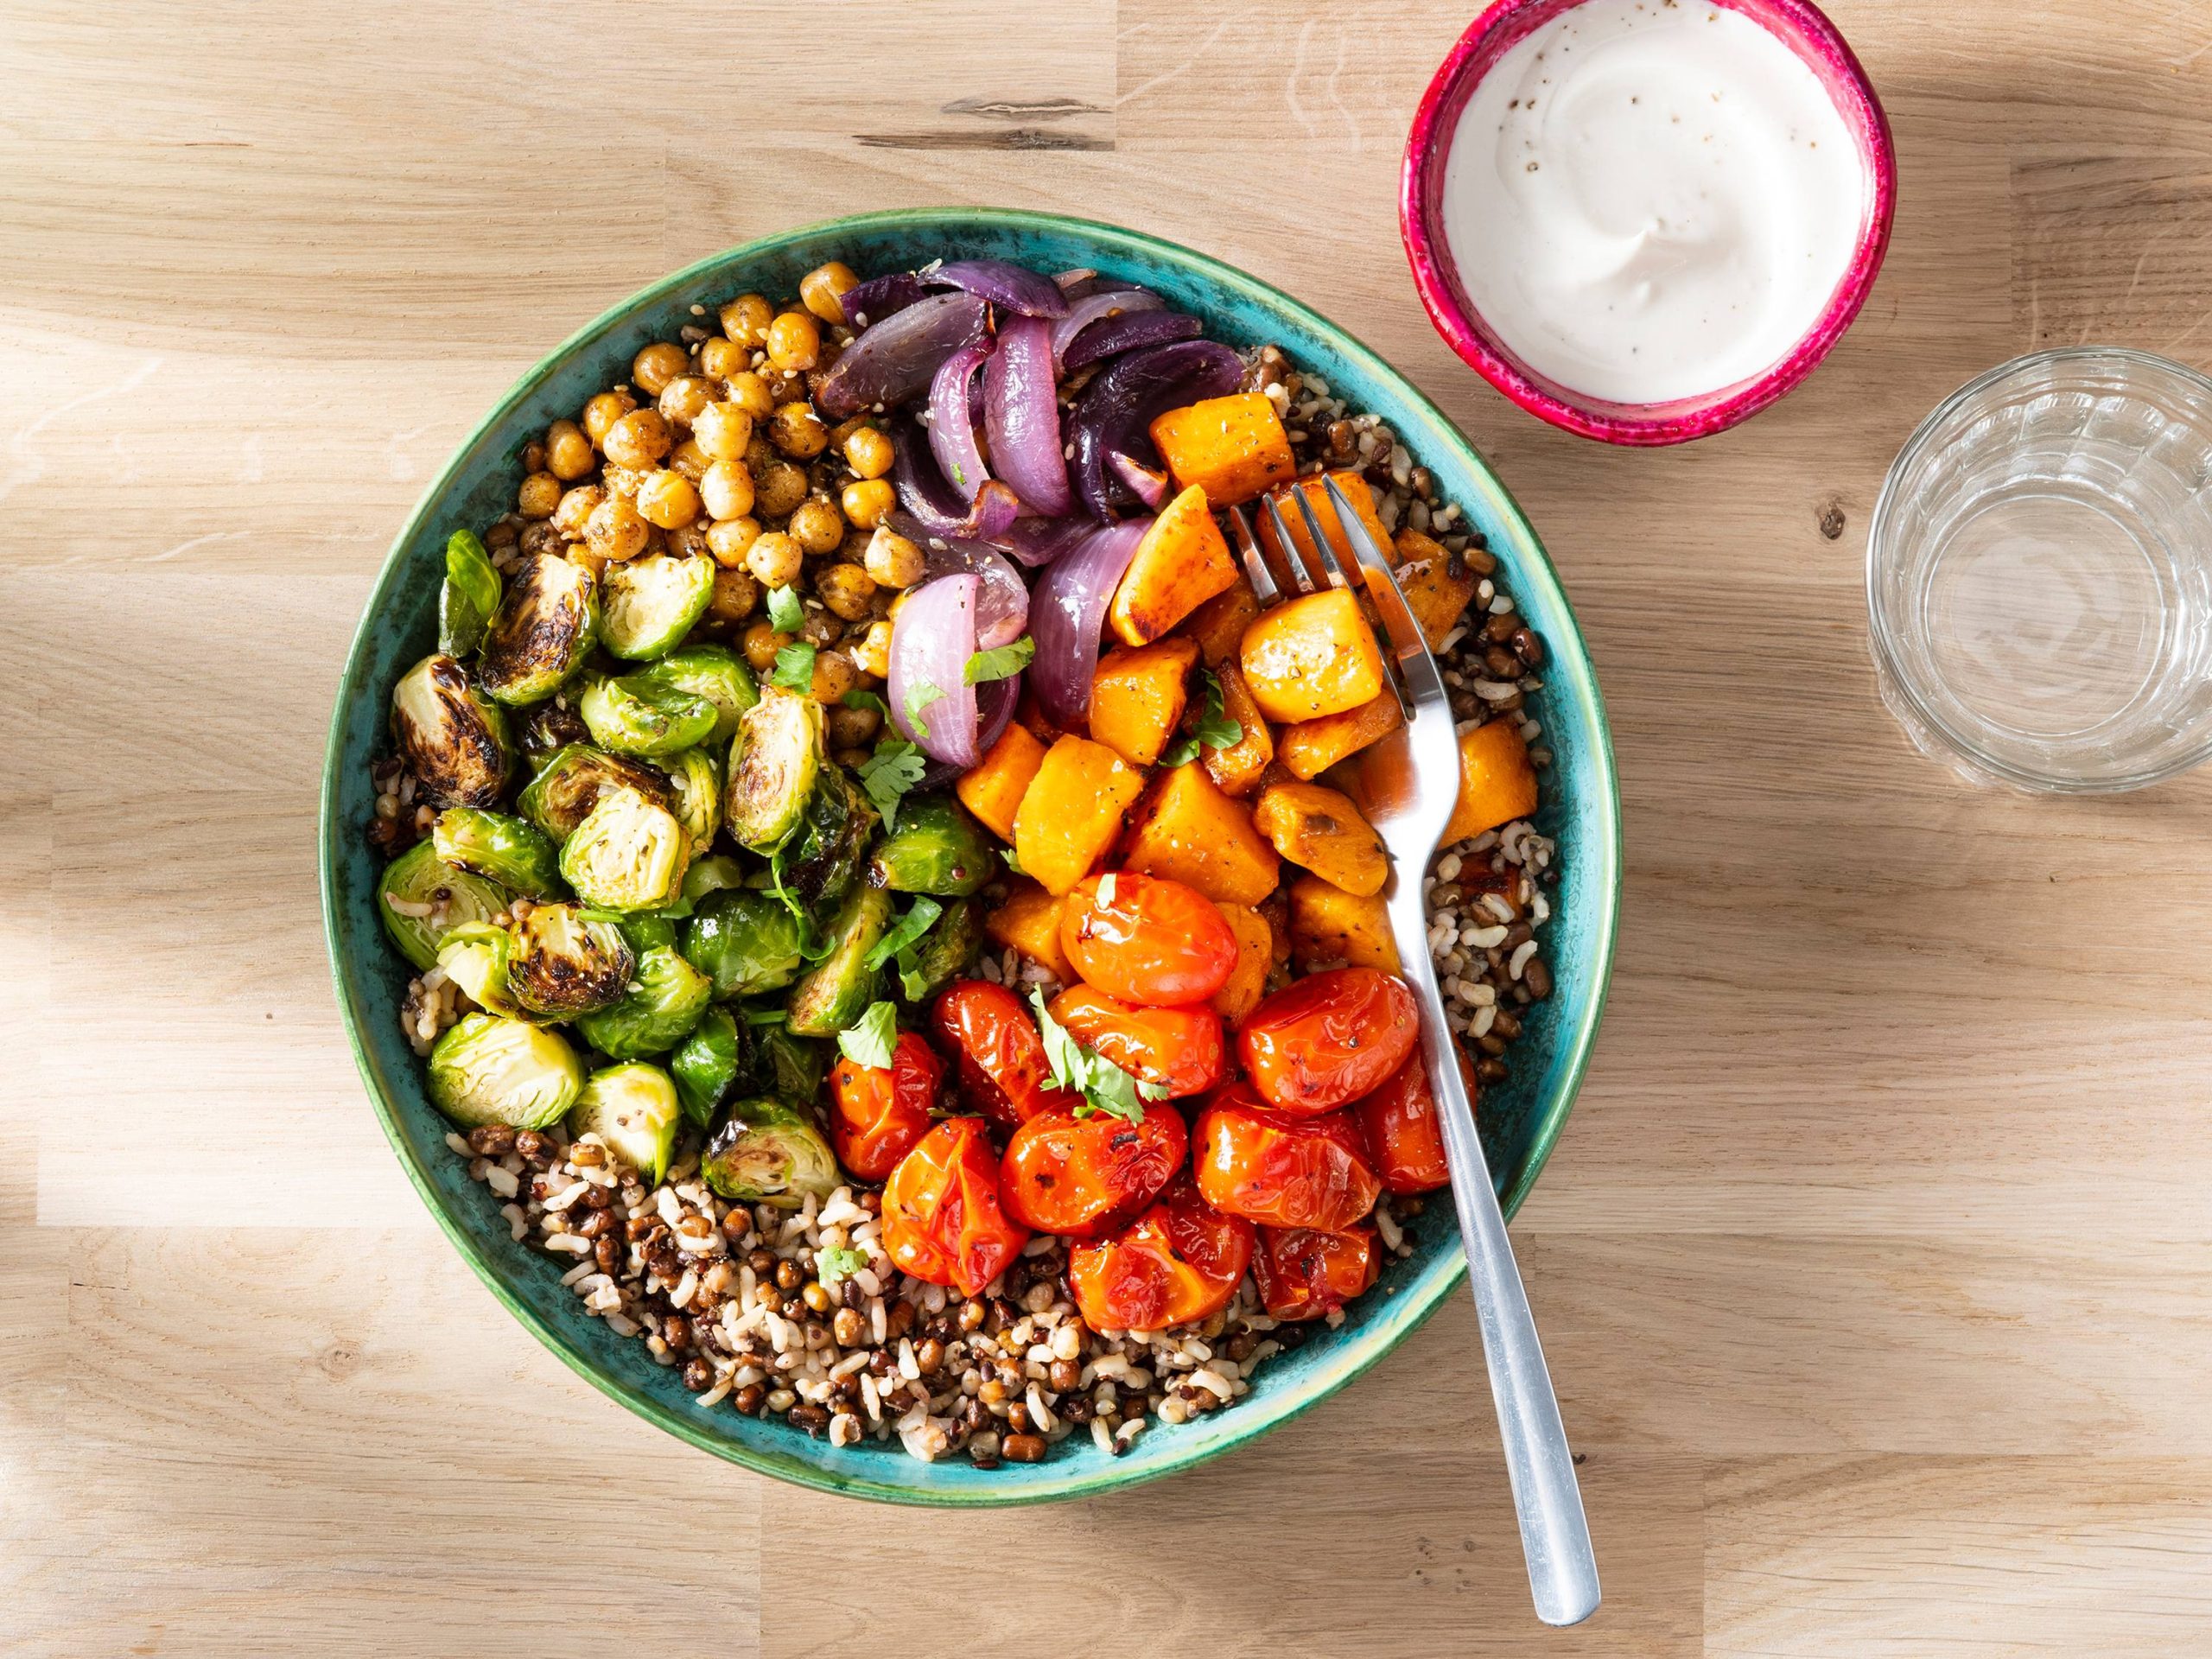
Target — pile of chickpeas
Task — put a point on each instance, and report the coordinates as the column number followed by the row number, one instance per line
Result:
column 714, row 450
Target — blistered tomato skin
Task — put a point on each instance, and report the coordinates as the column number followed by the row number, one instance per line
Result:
column 943, row 1222
column 878, row 1112
column 1146, row 941
column 1180, row 1260
column 998, row 1057
column 1405, row 1135
column 1303, row 1274
column 1180, row 1050
column 1082, row 1176
column 1328, row 1039
column 1280, row 1170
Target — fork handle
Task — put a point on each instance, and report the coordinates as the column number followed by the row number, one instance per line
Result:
column 1554, row 1535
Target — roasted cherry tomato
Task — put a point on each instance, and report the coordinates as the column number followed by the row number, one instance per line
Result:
column 1303, row 1274
column 1002, row 1068
column 942, row 1218
column 1082, row 1176
column 878, row 1112
column 1405, row 1137
column 1179, row 1049
column 1328, row 1039
column 1283, row 1171
column 1182, row 1260
column 1141, row 940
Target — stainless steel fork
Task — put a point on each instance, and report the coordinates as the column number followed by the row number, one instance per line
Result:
column 1410, row 780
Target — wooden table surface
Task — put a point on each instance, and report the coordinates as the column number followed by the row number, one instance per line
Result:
column 1875, row 1266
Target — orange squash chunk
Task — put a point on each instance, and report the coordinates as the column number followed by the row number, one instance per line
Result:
column 1238, row 768
column 1029, row 921
column 1232, row 448
column 1316, row 489
column 1329, row 924
column 1071, row 811
column 1436, row 597
column 1218, row 624
column 1138, row 695
column 1323, row 830
column 1255, row 947
column 1187, row 830
column 1313, row 657
column 1181, row 562
column 992, row 789
column 1312, row 746
column 1497, row 784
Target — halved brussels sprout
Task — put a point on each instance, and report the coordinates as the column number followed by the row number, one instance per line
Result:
column 475, row 956
column 635, row 715
column 716, row 673
column 838, row 989
column 697, row 784
column 649, row 930
column 832, row 846
column 547, row 728
column 788, row 1065
column 745, row 940
column 711, row 874
column 628, row 854
column 709, row 1063
column 470, row 597
column 634, row 1112
column 944, row 952
column 490, row 1070
column 670, row 995
column 566, row 789
column 565, row 962
column 773, row 763
column 421, row 899
column 768, row 1151
column 647, row 605
column 510, row 851
column 937, row 849
column 453, row 740
column 542, row 632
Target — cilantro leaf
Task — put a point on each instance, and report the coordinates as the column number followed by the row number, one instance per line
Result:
column 1012, row 863
column 860, row 697
column 1104, row 1086
column 894, row 768
column 916, row 700
column 838, row 1262
column 1215, row 729
column 911, row 979
column 1000, row 663
column 794, row 668
column 917, row 921
column 869, row 1042
column 1180, row 752
column 784, row 614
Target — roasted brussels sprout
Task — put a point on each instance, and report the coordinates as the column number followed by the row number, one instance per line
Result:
column 634, row 1110
column 711, row 874
column 788, row 1065
column 745, row 940
column 569, row 784
column 709, row 1063
column 773, row 765
column 565, row 962
column 838, row 990
column 542, row 632
column 475, row 956
column 453, row 740
column 490, row 1070
column 716, row 673
column 628, row 854
column 832, row 847
column 510, row 851
column 646, row 605
column 768, row 1151
column 545, row 729
column 937, row 849
column 697, row 782
column 943, row 953
column 649, row 930
column 422, row 898
column 635, row 715
column 470, row 597
column 670, row 995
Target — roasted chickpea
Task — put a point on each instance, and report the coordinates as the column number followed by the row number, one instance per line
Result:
column 720, row 358
column 659, row 363
column 736, row 596
column 845, row 589
column 616, row 531
column 869, row 452
column 622, row 480
column 682, row 399
column 821, row 628
column 760, row 454
column 727, row 488
column 853, row 549
column 823, row 288
column 834, row 675
column 893, row 560
column 873, row 654
column 576, row 508
column 746, row 321
column 794, row 342
column 867, row 502
column 849, row 728
column 540, row 537
column 602, row 411
column 569, row 453
column 816, row 526
column 730, row 539
column 797, row 430
column 639, row 440
column 774, row 559
column 785, row 388
column 778, row 488
column 539, row 494
column 668, row 499
column 533, row 457
column 750, row 393
column 760, row 645
column 689, row 541
column 722, row 430
column 689, row 458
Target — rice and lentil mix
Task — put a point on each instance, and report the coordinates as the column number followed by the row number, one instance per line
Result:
column 800, row 1313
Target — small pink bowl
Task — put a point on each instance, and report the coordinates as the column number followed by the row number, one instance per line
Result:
column 1799, row 25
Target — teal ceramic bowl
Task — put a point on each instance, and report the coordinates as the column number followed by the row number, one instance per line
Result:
column 1521, row 1119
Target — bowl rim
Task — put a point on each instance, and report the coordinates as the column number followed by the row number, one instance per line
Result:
column 1428, row 147
column 1600, row 863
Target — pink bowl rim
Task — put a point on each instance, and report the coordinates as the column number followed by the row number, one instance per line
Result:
column 1821, row 44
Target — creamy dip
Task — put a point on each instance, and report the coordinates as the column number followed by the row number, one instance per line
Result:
column 1648, row 200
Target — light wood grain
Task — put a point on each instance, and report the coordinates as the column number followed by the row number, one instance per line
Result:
column 1874, row 1264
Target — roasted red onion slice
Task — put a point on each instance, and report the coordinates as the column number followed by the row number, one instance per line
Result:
column 1039, row 541
column 994, row 706
column 930, row 700
column 1129, row 332
column 953, row 432
column 1149, row 485
column 1001, row 603
column 1094, row 308
column 894, row 361
column 1022, row 416
column 925, row 497
column 1122, row 398
column 883, row 297
column 1068, row 613
column 1014, row 287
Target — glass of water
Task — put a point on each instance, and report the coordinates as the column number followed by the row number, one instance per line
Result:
column 2039, row 573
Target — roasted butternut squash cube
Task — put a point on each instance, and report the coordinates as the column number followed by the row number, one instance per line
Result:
column 1072, row 810
column 1312, row 746
column 1231, row 447
column 1238, row 767
column 1187, row 830
column 1181, row 562
column 992, row 788
column 1316, row 489
column 1313, row 657
column 1497, row 784
column 1138, row 695
column 1328, row 924
column 1275, row 910
column 1322, row 829
column 1255, row 947
column 1218, row 624
column 1029, row 921
column 1437, row 584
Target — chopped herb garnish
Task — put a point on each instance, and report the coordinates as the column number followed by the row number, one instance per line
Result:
column 1000, row 663
column 917, row 921
column 784, row 613
column 1103, row 1085
column 894, row 768
column 870, row 1041
column 836, row 1263
column 764, row 1016
column 1012, row 863
column 1213, row 729
column 916, row 700
column 860, row 697
column 794, row 668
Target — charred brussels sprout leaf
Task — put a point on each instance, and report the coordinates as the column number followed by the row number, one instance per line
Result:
column 628, row 854
column 745, row 940
column 823, row 865
column 938, row 848
column 646, row 605
column 453, row 740
column 634, row 1112
column 696, row 783
column 709, row 1063
column 712, row 874
column 422, row 898
column 490, row 1070
column 510, row 851
column 768, row 1151
column 564, row 964
column 789, row 1065
column 569, row 784
column 941, row 955
column 773, row 765
column 836, row 991
column 716, row 673
column 546, row 729
column 670, row 996
column 470, row 597
column 475, row 956
column 542, row 632
column 635, row 715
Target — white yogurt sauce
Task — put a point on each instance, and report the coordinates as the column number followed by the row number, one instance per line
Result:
column 1649, row 201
